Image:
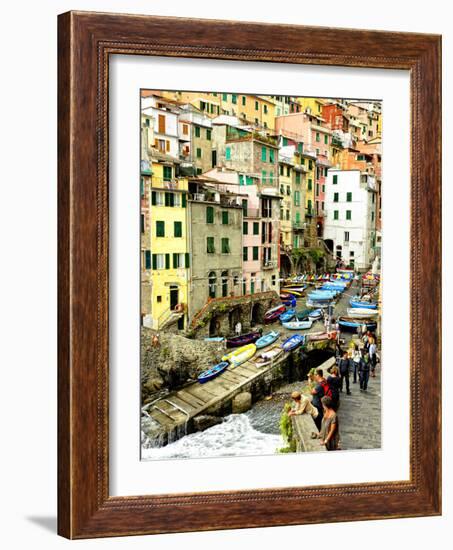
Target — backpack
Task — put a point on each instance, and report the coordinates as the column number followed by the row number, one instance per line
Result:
column 326, row 388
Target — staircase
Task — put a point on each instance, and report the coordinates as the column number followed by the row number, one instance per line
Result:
column 170, row 317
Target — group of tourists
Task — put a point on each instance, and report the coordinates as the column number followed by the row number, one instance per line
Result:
column 360, row 360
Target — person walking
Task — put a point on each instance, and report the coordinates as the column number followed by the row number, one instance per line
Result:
column 318, row 393
column 344, row 368
column 330, row 432
column 334, row 383
column 372, row 350
column 355, row 363
column 364, row 370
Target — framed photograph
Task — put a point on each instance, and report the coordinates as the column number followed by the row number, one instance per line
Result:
column 249, row 275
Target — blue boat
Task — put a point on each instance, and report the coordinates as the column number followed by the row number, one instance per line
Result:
column 267, row 339
column 355, row 302
column 293, row 342
column 209, row 374
column 315, row 314
column 288, row 315
column 351, row 324
column 290, row 302
column 215, row 339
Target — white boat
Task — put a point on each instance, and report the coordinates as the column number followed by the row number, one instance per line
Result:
column 298, row 325
column 267, row 357
column 362, row 313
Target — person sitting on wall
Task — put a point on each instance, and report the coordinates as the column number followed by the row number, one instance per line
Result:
column 155, row 343
column 302, row 405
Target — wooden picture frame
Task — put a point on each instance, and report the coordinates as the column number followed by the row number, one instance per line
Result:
column 85, row 41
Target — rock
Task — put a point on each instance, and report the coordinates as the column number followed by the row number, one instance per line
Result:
column 242, row 402
column 204, row 421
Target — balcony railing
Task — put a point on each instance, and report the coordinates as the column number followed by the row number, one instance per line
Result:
column 269, row 264
column 298, row 225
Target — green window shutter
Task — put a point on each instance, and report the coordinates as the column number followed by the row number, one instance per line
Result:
column 210, row 248
column 167, row 173
column 142, row 223
column 142, row 187
column 160, row 229
column 255, row 252
column 167, row 261
column 263, row 153
column 172, row 199
column 310, row 165
column 256, row 228
column 302, row 161
column 263, row 176
column 153, row 198
column 300, row 147
column 297, row 217
column 245, row 254
column 148, row 259
column 241, row 179
column 335, row 214
column 234, row 98
column 271, row 178
column 285, row 142
column 335, row 197
column 297, row 177
column 318, row 137
column 225, row 220
column 184, row 200
column 187, row 256
column 349, row 197
column 228, row 153
column 209, row 214
column 167, row 199
column 175, row 260
column 335, row 179
column 198, row 153
column 271, row 155
column 154, row 261
column 245, row 228
column 208, row 134
column 248, row 180
column 348, row 214
column 243, row 100
column 309, row 205
column 225, row 245
column 225, row 97
column 257, row 106
column 197, row 131
column 326, row 139
column 310, row 185
column 178, row 229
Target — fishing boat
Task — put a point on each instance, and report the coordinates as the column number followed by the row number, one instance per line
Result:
column 291, row 302
column 266, row 357
column 267, row 339
column 315, row 314
column 240, row 355
column 319, row 336
column 352, row 324
column 294, row 288
column 288, row 315
column 358, row 303
column 362, row 312
column 273, row 314
column 211, row 373
column 293, row 342
column 298, row 325
column 293, row 292
column 286, row 296
column 317, row 304
column 243, row 339
column 303, row 314
column 215, row 339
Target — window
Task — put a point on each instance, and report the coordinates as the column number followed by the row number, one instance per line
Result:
column 271, row 178
column 178, row 229
column 256, row 228
column 241, row 179
column 263, row 154
column 373, row 198
column 209, row 214
column 234, row 98
column 326, row 139
column 309, row 205
column 271, row 155
column 310, row 165
column 228, row 153
column 274, row 280
column 255, row 253
column 244, row 207
column 142, row 223
column 178, row 260
column 281, row 169
column 225, row 220
column 335, row 214
column 160, row 229
column 224, row 283
column 257, row 106
column 147, row 122
column 360, row 157
column 318, row 137
column 225, row 245
column 346, row 236
column 372, row 216
column 302, row 161
column 265, row 109
column 317, row 189
column 297, row 218
column 351, row 253
column 288, row 171
column 296, row 198
column 310, row 184
column 284, row 142
column 198, row 153
column 161, row 124
column 263, row 176
column 323, row 188
column 349, row 197
column 245, row 228
column 335, row 197
column 197, row 131
column 168, row 173
column 300, row 147
column 158, row 261
column 225, row 97
column 248, row 180
column 159, row 299
column 208, row 134
column 210, row 248
column 288, row 190
column 298, row 177
column 348, row 214
column 147, row 259
column 142, row 187
column 287, row 215
column 185, row 129
column 335, row 179
column 212, row 284
column 244, row 100
column 245, row 254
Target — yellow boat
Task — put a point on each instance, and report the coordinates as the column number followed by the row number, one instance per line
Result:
column 240, row 355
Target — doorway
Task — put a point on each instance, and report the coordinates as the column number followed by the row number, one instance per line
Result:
column 174, row 297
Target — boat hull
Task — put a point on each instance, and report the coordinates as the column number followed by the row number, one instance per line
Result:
column 293, row 342
column 239, row 341
column 212, row 373
column 240, row 355
column 267, row 339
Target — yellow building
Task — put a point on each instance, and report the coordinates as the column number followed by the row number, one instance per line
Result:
column 168, row 256
column 312, row 105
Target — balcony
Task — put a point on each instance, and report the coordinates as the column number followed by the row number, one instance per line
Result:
column 309, row 213
column 298, row 226
column 269, row 264
column 251, row 212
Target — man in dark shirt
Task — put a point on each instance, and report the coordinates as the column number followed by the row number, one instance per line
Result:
column 317, row 392
column 364, row 370
column 344, row 367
